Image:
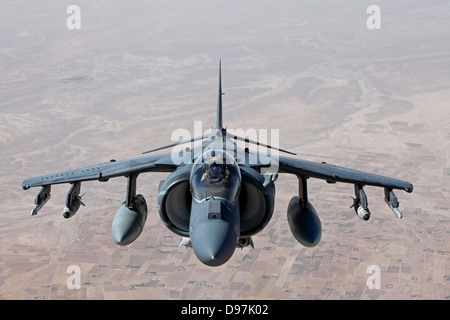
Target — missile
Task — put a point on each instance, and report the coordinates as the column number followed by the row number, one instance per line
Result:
column 73, row 201
column 397, row 212
column 360, row 203
column 363, row 213
column 359, row 209
column 392, row 202
column 70, row 211
column 41, row 199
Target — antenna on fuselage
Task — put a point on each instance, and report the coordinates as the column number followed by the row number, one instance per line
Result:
column 219, row 123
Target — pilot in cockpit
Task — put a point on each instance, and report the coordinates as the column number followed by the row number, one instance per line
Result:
column 219, row 177
column 215, row 172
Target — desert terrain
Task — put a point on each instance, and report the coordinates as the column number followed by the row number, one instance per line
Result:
column 337, row 91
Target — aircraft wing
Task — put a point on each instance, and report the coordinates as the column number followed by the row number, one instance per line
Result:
column 105, row 171
column 332, row 174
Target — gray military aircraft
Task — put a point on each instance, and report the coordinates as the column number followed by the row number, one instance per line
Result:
column 219, row 193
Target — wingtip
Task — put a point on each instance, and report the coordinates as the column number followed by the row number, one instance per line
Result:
column 410, row 188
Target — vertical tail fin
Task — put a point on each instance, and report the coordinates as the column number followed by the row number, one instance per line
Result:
column 219, row 124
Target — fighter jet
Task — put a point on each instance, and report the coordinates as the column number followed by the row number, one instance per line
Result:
column 220, row 191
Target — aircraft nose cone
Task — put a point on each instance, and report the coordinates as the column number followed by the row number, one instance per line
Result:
column 214, row 242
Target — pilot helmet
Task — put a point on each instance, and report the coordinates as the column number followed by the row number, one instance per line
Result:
column 214, row 171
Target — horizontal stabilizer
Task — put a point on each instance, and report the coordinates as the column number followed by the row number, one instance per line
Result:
column 261, row 144
column 176, row 143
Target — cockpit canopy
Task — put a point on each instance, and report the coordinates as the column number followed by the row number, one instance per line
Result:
column 215, row 174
